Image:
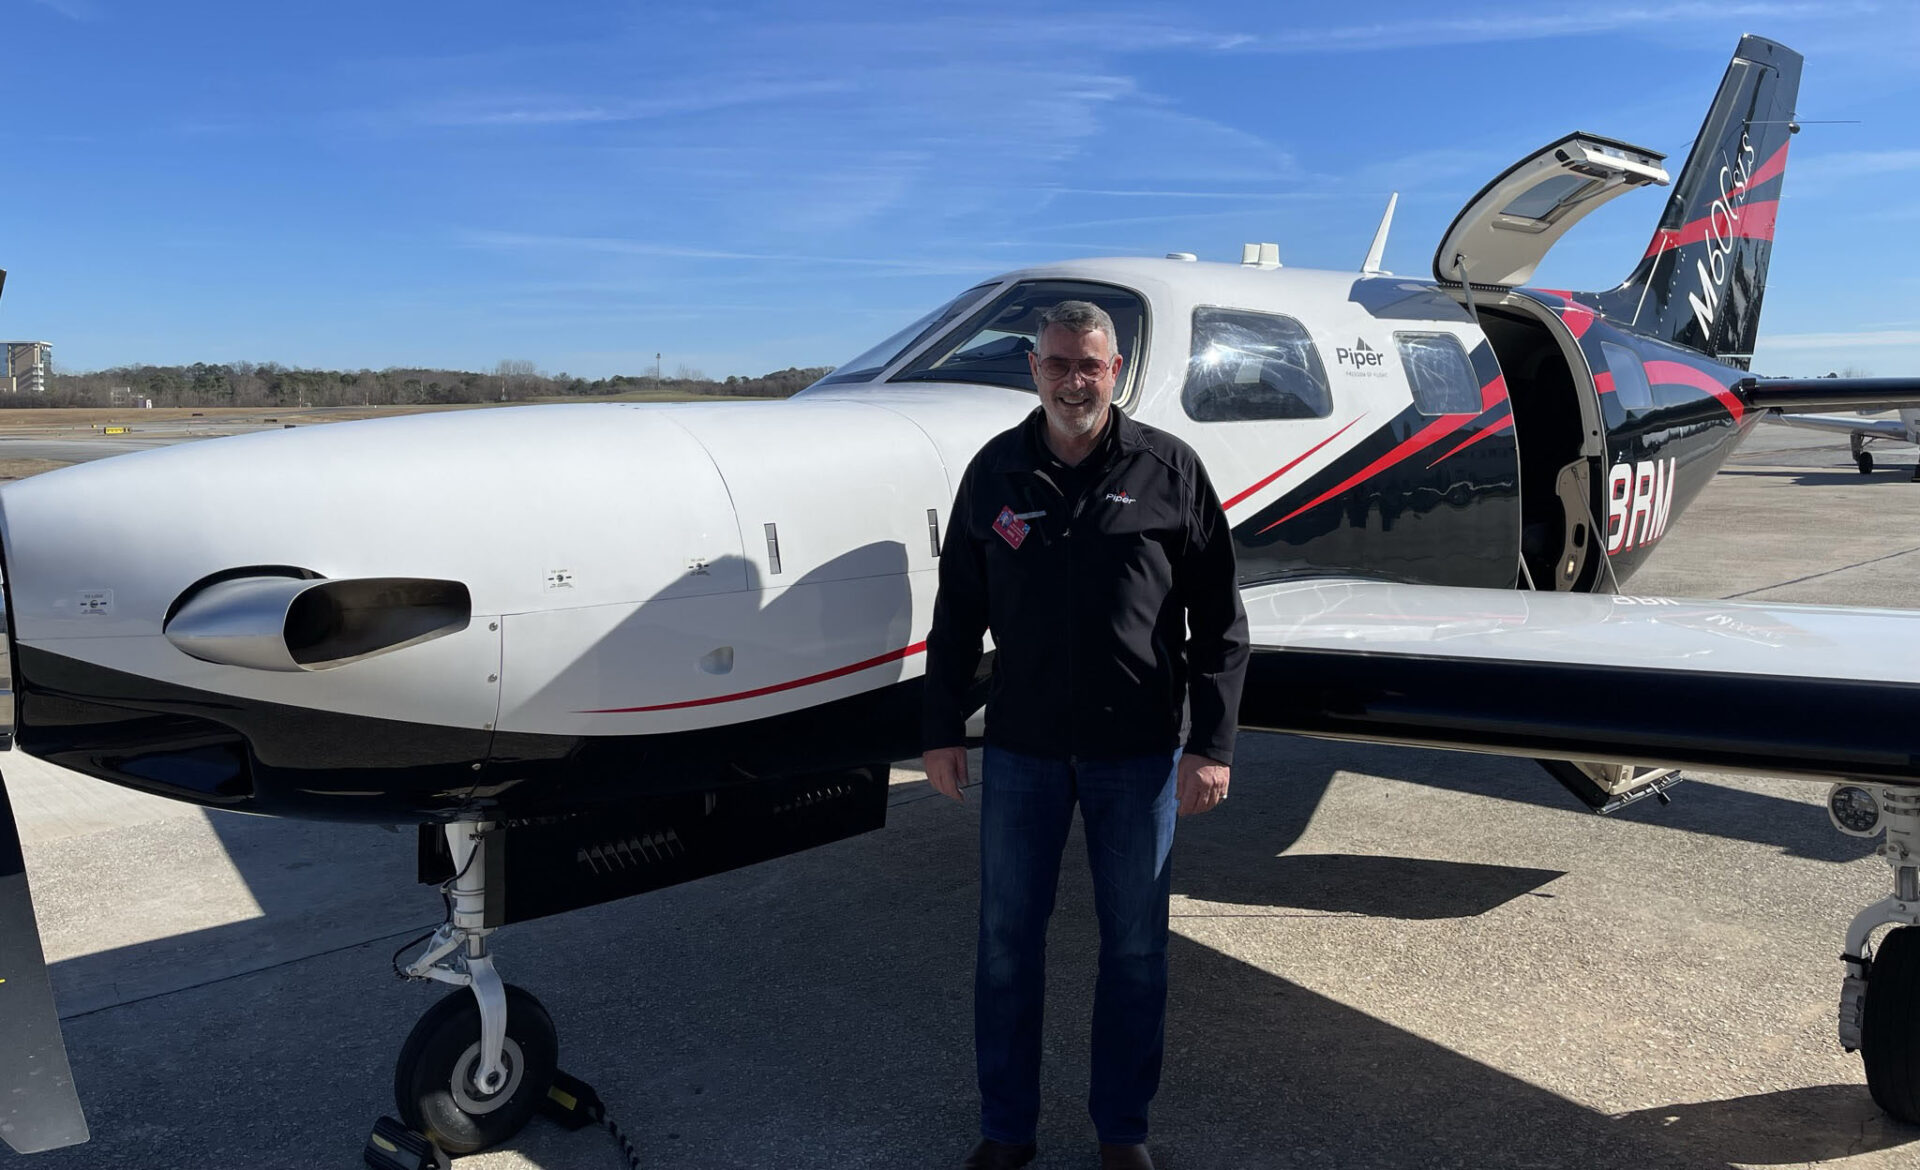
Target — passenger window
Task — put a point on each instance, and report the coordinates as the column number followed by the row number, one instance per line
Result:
column 1439, row 372
column 1629, row 377
column 991, row 347
column 1248, row 366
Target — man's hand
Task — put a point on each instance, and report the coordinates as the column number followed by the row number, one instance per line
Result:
column 947, row 772
column 1202, row 783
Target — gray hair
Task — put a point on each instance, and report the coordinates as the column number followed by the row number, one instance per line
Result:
column 1080, row 317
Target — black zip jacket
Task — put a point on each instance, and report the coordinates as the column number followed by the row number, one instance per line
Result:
column 1117, row 603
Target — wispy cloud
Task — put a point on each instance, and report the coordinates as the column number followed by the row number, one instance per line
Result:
column 1517, row 26
column 506, row 110
column 1846, row 166
column 73, row 9
column 607, row 245
column 209, row 127
column 1870, row 338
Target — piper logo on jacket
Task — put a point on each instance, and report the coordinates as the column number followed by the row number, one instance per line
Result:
column 1120, row 497
column 1011, row 528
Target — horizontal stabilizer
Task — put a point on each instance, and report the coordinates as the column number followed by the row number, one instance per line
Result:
column 39, row 1109
column 1828, row 393
column 1886, row 428
column 1783, row 690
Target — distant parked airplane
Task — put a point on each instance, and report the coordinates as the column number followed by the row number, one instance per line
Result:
column 1860, row 432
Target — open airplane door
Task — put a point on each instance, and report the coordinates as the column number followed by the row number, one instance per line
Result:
column 1500, row 235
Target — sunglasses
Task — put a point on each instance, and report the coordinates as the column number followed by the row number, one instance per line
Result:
column 1056, row 368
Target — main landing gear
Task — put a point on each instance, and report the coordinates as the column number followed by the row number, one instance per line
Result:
column 480, row 1061
column 1862, row 458
column 1880, row 997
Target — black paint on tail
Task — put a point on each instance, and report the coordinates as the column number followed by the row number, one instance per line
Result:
column 1700, row 282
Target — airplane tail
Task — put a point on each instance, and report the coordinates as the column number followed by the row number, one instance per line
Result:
column 1700, row 282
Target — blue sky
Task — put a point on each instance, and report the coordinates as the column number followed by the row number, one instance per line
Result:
column 744, row 187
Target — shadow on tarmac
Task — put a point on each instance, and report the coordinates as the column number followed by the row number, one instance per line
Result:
column 816, row 1010
column 1372, row 887
column 1823, row 1122
column 1882, row 473
column 1798, row 830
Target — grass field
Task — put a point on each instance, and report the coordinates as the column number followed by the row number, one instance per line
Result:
column 29, row 420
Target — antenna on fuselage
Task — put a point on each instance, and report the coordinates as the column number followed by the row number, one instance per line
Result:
column 1379, row 249
column 1260, row 255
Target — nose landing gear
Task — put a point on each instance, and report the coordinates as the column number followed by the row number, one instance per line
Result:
column 479, row 1062
column 1880, row 996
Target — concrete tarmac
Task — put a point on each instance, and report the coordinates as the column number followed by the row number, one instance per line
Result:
column 1381, row 957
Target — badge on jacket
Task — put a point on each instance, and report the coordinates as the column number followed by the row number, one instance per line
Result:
column 1011, row 528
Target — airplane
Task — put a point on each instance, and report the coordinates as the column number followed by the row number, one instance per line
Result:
column 598, row 649
column 1860, row 432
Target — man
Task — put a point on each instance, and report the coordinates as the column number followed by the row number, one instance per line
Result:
column 1096, row 551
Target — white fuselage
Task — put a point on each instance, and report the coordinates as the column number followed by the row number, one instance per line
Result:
column 619, row 556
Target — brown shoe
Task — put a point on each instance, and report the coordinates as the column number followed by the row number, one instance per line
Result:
column 992, row 1155
column 1132, row 1157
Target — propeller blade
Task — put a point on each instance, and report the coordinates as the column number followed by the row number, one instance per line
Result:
column 39, row 1109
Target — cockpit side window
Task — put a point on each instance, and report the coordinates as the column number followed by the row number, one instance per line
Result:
column 1249, row 365
column 872, row 363
column 992, row 345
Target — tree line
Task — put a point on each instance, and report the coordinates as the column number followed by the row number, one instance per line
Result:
column 272, row 384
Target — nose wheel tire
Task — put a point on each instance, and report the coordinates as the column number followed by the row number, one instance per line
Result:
column 1890, row 1031
column 434, row 1084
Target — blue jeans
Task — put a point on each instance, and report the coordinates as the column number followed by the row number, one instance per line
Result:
column 1127, row 808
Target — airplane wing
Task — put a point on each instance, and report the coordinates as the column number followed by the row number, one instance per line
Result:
column 1828, row 393
column 1816, row 692
column 39, row 1109
column 1891, row 428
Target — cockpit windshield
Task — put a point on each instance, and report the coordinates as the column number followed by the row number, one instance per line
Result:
column 870, row 364
column 992, row 346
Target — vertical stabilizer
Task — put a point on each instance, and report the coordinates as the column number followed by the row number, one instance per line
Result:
column 1700, row 282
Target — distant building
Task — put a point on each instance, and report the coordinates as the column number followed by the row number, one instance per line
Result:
column 28, row 364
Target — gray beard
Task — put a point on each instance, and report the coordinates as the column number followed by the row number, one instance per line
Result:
column 1075, row 427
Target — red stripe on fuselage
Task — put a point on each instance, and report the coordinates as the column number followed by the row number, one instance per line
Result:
column 1290, row 466
column 1773, row 168
column 1491, row 429
column 1425, row 437
column 1603, row 383
column 824, row 676
column 1755, row 222
column 1678, row 373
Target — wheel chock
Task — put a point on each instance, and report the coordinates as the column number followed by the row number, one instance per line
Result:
column 392, row 1146
column 572, row 1104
